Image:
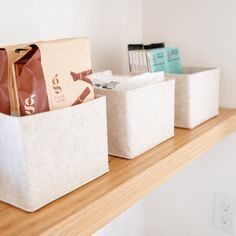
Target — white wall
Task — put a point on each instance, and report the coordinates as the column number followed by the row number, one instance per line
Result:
column 183, row 206
column 132, row 222
column 204, row 30
column 110, row 25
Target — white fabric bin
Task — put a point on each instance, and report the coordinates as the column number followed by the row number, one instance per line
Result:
column 196, row 97
column 45, row 156
column 139, row 119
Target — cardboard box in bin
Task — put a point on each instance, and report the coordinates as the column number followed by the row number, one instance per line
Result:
column 196, row 97
column 139, row 119
column 45, row 156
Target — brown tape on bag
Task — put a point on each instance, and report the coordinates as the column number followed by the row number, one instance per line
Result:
column 30, row 82
column 4, row 93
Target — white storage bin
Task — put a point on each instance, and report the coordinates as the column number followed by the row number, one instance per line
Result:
column 139, row 119
column 45, row 156
column 197, row 96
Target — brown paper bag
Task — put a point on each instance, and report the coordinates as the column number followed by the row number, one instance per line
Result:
column 4, row 93
column 52, row 75
column 8, row 86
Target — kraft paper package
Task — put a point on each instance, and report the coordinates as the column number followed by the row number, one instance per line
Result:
column 52, row 75
column 4, row 93
column 45, row 76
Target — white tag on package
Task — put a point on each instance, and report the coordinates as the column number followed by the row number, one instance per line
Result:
column 107, row 80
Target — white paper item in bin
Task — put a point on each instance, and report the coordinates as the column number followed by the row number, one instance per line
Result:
column 126, row 82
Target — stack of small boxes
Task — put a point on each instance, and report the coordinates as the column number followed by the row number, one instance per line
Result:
column 153, row 58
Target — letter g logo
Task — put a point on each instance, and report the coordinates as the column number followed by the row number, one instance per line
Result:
column 29, row 105
column 56, row 86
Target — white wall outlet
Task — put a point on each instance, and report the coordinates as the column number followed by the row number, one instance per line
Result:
column 224, row 213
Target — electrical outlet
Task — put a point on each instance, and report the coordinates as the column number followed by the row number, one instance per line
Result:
column 224, row 213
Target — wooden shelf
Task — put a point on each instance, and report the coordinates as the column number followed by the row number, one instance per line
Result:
column 87, row 209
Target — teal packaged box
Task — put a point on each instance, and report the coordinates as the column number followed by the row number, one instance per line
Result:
column 156, row 60
column 164, row 59
column 172, row 61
